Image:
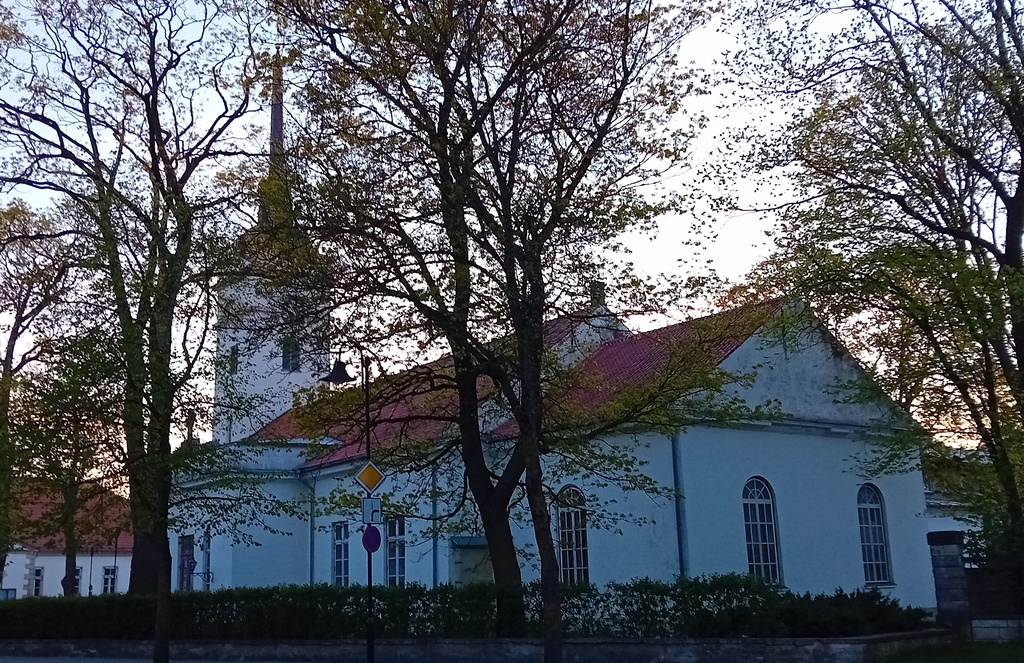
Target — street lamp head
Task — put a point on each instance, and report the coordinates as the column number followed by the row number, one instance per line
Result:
column 338, row 375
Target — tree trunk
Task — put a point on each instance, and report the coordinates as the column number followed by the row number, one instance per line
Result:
column 550, row 590
column 67, row 583
column 145, row 567
column 508, row 577
column 162, row 630
column 528, row 319
column 493, row 509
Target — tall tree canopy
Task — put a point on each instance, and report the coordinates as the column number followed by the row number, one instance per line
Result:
column 65, row 425
column 472, row 161
column 905, row 155
column 127, row 109
column 35, row 268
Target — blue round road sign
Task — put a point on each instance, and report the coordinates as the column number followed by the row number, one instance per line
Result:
column 371, row 539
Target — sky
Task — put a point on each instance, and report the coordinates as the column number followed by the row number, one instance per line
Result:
column 734, row 241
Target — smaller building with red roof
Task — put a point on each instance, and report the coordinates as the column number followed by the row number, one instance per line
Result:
column 103, row 562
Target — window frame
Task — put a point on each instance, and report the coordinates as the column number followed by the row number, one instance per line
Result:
column 761, row 531
column 876, row 559
column 340, row 544
column 394, row 558
column 37, row 581
column 186, row 562
column 572, row 536
column 111, row 586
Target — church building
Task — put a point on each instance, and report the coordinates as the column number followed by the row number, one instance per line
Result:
column 778, row 490
column 781, row 496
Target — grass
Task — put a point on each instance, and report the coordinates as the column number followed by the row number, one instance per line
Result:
column 963, row 652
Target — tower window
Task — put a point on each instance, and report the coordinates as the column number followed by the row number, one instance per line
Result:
column 233, row 360
column 291, row 355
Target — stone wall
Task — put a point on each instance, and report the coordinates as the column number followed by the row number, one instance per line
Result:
column 998, row 630
column 947, row 551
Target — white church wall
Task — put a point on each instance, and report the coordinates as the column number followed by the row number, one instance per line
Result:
column 221, row 562
column 419, row 545
column 642, row 542
column 283, row 553
column 816, row 505
column 809, row 460
column 253, row 384
column 804, row 376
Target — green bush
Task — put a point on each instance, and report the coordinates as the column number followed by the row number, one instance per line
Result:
column 708, row 606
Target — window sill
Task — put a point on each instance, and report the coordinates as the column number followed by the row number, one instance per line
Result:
column 879, row 585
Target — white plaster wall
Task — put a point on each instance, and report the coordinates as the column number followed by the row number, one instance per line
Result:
column 643, row 543
column 804, row 378
column 284, row 551
column 259, row 385
column 816, row 501
column 279, row 556
column 419, row 545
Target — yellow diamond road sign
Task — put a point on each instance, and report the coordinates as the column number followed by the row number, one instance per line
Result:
column 370, row 477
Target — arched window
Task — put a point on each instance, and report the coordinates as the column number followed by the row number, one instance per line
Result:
column 874, row 539
column 572, row 536
column 761, row 526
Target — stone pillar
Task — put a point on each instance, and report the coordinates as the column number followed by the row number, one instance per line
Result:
column 950, row 579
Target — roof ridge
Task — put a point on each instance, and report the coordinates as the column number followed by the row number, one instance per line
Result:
column 688, row 321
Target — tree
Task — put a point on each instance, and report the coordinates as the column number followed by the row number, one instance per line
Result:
column 66, row 427
column 128, row 109
column 908, row 228
column 34, row 268
column 472, row 160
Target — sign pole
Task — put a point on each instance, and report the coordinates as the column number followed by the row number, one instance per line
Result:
column 370, row 648
column 370, row 645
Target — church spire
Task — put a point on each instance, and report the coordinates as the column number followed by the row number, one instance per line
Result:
column 277, row 114
column 275, row 201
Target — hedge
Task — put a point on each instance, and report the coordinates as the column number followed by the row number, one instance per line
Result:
column 711, row 606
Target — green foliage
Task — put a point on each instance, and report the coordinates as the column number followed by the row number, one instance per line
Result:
column 904, row 224
column 709, row 606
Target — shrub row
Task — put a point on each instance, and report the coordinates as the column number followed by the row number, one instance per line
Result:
column 714, row 606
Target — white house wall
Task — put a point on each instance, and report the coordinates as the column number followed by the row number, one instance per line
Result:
column 19, row 573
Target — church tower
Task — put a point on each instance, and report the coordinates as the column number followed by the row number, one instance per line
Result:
column 266, row 350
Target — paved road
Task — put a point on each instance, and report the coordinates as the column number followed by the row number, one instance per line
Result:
column 96, row 659
column 90, row 659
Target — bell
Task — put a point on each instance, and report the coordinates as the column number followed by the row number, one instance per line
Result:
column 338, row 375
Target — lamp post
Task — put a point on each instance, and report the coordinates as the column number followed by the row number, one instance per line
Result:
column 371, row 536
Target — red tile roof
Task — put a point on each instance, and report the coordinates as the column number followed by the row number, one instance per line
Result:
column 636, row 358
column 417, row 406
column 621, row 363
column 104, row 524
column 422, row 406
